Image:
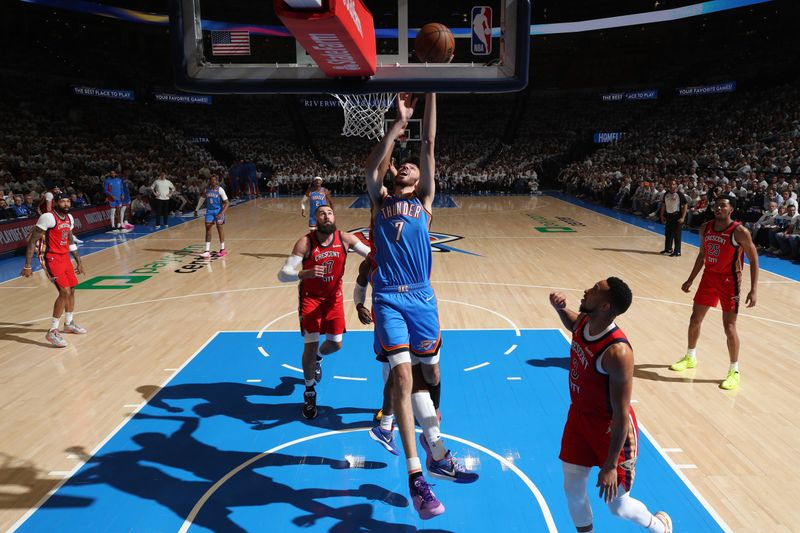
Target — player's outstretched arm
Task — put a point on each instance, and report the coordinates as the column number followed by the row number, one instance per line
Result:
column 289, row 273
column 745, row 240
column 426, row 188
column 567, row 316
column 405, row 110
column 352, row 242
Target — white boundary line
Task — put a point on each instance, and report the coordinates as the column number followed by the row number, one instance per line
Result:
column 548, row 517
column 513, row 347
column 292, row 368
column 725, row 527
column 77, row 467
column 347, row 378
column 476, row 367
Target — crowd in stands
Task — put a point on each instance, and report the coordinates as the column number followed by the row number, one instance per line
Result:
column 745, row 146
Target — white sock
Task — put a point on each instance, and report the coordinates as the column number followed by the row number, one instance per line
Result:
column 54, row 322
column 68, row 318
column 632, row 510
column 208, row 246
column 122, row 215
column 311, row 382
column 734, row 367
column 386, row 422
column 413, row 464
column 222, row 246
column 692, row 352
column 111, row 216
column 425, row 414
column 656, row 526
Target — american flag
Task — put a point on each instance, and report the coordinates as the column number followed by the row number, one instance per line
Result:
column 230, row 43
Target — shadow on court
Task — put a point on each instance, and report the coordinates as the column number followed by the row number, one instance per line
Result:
column 547, row 362
column 16, row 472
column 234, row 400
column 158, row 470
column 264, row 256
column 630, row 251
column 9, row 331
column 687, row 376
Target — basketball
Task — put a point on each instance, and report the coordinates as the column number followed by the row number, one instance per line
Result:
column 434, row 43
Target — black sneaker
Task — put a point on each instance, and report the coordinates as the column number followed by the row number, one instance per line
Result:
column 675, row 254
column 310, row 404
column 318, row 370
column 666, row 252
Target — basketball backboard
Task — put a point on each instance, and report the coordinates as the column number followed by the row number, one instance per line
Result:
column 241, row 46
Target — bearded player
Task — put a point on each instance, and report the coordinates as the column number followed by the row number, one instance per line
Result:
column 321, row 254
column 55, row 228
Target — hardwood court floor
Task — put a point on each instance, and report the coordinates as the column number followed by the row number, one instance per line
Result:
column 737, row 448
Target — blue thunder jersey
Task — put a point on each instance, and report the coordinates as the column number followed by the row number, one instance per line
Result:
column 214, row 199
column 316, row 199
column 113, row 187
column 402, row 244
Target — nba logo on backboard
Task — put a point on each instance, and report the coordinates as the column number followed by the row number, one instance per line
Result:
column 481, row 30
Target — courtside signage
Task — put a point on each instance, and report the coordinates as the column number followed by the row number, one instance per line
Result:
column 147, row 271
column 549, row 226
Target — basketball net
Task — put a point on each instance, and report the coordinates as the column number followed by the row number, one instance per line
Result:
column 363, row 113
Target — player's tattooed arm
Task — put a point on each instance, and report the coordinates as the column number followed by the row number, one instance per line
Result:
column 35, row 235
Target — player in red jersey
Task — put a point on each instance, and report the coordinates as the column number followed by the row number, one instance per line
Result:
column 601, row 426
column 322, row 254
column 55, row 228
column 722, row 245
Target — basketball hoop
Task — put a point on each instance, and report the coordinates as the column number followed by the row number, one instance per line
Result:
column 363, row 113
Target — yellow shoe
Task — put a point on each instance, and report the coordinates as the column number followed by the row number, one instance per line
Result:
column 687, row 362
column 731, row 380
column 664, row 517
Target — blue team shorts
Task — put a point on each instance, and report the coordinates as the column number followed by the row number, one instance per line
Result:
column 407, row 321
column 210, row 217
column 115, row 203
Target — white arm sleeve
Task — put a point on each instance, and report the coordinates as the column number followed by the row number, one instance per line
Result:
column 361, row 249
column 359, row 294
column 46, row 221
column 223, row 195
column 288, row 273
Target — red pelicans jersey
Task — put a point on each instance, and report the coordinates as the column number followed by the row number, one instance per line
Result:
column 588, row 383
column 723, row 255
column 57, row 230
column 333, row 258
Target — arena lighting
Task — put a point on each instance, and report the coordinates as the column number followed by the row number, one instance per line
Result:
column 638, row 19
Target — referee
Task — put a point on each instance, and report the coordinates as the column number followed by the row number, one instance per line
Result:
column 672, row 212
column 162, row 190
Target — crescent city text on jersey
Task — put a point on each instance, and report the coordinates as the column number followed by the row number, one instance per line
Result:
column 402, row 208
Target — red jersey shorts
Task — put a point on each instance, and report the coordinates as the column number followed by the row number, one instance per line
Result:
column 587, row 438
column 60, row 270
column 719, row 288
column 323, row 315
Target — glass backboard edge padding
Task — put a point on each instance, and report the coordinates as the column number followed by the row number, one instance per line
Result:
column 194, row 74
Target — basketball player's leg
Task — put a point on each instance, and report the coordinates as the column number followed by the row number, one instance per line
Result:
column 702, row 303
column 729, row 314
column 209, row 225
column 220, row 223
column 333, row 326
column 310, row 324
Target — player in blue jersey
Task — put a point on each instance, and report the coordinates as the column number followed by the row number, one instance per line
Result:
column 318, row 196
column 216, row 204
column 112, row 187
column 404, row 305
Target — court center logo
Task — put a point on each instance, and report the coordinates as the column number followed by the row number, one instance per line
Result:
column 438, row 241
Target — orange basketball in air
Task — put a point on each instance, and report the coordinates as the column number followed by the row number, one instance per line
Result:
column 434, row 43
